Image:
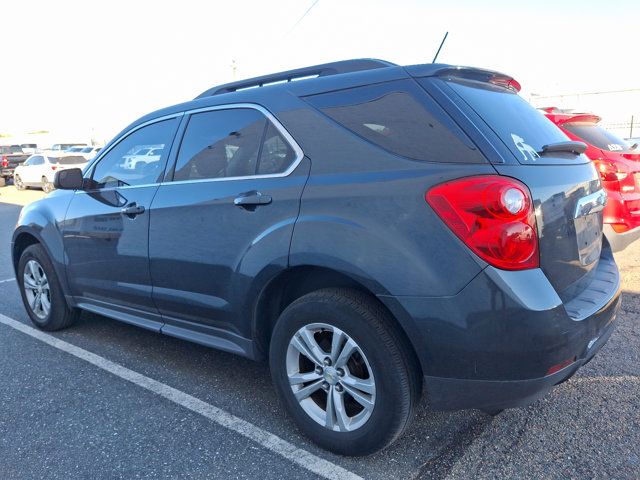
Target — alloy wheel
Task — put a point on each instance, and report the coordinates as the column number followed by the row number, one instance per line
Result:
column 330, row 377
column 37, row 291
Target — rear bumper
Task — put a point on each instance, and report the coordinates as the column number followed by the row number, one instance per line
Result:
column 456, row 394
column 620, row 241
column 502, row 341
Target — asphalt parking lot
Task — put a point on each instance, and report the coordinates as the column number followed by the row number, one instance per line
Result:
column 150, row 406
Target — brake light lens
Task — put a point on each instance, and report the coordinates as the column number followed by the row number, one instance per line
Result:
column 493, row 216
column 53, row 167
column 615, row 176
column 5, row 161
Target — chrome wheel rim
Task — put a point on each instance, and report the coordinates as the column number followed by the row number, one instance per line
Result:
column 36, row 288
column 18, row 181
column 330, row 377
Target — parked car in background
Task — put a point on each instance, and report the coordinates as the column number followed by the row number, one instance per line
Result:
column 367, row 230
column 619, row 168
column 147, row 154
column 76, row 149
column 10, row 157
column 57, row 148
column 29, row 148
column 89, row 152
column 39, row 170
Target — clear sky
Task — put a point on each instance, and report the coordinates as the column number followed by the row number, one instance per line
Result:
column 77, row 66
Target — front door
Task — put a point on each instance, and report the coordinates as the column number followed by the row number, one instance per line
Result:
column 225, row 220
column 106, row 229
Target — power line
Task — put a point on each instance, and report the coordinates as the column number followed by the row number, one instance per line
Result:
column 302, row 17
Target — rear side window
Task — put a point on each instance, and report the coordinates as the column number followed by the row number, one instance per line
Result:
column 400, row 118
column 522, row 128
column 231, row 143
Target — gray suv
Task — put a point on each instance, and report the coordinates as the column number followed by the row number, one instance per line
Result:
column 370, row 229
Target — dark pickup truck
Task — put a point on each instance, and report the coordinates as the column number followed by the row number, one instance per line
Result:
column 10, row 157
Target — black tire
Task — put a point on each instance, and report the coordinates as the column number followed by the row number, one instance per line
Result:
column 47, row 186
column 60, row 315
column 397, row 376
column 17, row 182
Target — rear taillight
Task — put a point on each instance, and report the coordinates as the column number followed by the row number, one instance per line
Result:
column 615, row 176
column 53, row 167
column 5, row 161
column 493, row 216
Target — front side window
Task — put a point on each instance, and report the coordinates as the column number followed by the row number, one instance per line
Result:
column 124, row 166
column 231, row 143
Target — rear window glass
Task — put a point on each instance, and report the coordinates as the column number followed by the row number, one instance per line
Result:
column 597, row 136
column 400, row 118
column 70, row 160
column 522, row 128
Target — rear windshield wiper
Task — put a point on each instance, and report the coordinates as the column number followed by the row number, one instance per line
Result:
column 563, row 147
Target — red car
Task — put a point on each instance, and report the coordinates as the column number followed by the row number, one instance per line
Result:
column 619, row 168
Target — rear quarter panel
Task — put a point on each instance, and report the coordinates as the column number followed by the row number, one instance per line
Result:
column 363, row 213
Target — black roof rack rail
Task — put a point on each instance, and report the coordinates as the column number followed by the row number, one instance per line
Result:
column 344, row 66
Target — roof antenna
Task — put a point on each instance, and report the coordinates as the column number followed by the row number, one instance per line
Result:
column 440, row 47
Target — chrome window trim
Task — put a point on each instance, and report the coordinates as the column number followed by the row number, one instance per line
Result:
column 229, row 106
column 283, row 131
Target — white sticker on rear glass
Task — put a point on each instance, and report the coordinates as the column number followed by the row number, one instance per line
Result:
column 613, row 147
column 526, row 149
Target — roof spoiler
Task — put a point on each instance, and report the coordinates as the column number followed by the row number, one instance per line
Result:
column 480, row 75
column 326, row 69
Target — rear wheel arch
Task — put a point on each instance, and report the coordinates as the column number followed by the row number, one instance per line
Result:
column 295, row 282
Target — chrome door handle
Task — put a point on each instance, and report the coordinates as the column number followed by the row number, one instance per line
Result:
column 252, row 199
column 132, row 210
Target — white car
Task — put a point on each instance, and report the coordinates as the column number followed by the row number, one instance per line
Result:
column 38, row 170
column 89, row 152
column 147, row 154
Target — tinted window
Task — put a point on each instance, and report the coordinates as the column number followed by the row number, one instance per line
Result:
column 522, row 128
column 276, row 155
column 220, row 143
column 70, row 160
column 121, row 166
column 597, row 136
column 37, row 161
column 400, row 118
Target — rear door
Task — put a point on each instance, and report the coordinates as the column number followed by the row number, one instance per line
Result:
column 224, row 220
column 106, row 229
column 566, row 188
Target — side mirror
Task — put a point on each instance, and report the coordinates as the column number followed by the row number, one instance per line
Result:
column 70, row 179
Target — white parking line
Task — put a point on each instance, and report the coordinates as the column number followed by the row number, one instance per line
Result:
column 272, row 442
column 8, row 280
